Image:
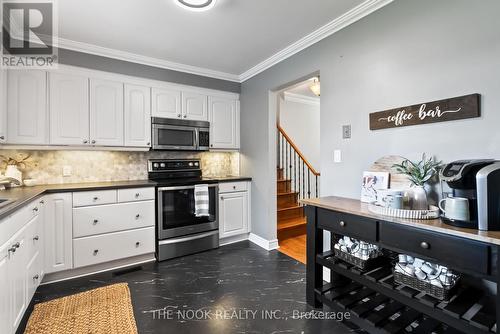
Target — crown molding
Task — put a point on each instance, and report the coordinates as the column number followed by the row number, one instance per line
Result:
column 144, row 60
column 297, row 98
column 355, row 14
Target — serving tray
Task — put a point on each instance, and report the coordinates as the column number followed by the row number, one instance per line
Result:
column 432, row 213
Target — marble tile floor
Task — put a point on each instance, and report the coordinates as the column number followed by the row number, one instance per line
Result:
column 238, row 288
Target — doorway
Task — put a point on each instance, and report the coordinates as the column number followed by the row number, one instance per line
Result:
column 297, row 163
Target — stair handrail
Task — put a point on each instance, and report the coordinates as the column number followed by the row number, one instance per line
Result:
column 299, row 152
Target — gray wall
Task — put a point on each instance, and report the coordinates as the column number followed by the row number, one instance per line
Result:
column 69, row 57
column 408, row 52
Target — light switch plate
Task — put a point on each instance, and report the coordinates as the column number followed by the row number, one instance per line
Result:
column 346, row 131
column 337, row 156
column 67, row 171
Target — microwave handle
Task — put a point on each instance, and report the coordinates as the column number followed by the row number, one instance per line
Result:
column 197, row 138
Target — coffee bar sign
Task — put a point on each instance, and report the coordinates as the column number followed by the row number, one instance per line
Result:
column 456, row 108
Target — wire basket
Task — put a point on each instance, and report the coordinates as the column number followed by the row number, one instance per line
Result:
column 363, row 265
column 441, row 293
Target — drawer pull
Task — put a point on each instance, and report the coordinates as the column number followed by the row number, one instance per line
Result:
column 95, row 198
column 137, row 195
column 16, row 245
column 95, row 221
column 36, row 238
column 96, row 251
column 137, row 216
column 234, row 187
column 42, row 202
column 12, row 250
column 342, row 223
column 35, row 209
column 425, row 245
column 137, row 244
column 36, row 277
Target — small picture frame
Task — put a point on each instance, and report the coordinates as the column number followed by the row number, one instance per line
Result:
column 372, row 182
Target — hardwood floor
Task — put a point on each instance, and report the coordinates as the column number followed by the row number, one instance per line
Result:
column 294, row 247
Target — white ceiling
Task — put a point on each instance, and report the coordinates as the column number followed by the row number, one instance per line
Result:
column 224, row 42
column 303, row 89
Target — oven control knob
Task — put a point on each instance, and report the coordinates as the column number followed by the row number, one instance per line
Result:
column 162, row 165
column 190, row 164
column 155, row 165
column 196, row 164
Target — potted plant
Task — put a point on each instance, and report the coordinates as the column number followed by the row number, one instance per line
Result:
column 418, row 173
column 15, row 165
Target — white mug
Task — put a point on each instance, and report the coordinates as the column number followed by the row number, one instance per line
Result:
column 455, row 208
column 390, row 198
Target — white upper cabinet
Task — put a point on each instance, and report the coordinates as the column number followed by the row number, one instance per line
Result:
column 27, row 107
column 224, row 123
column 137, row 116
column 3, row 106
column 166, row 103
column 106, row 113
column 69, row 109
column 194, row 106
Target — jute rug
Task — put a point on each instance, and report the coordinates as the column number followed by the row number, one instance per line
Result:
column 104, row 310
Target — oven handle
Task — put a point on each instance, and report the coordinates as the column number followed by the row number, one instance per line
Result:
column 184, row 187
column 194, row 237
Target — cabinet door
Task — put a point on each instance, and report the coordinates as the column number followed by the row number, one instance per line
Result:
column 5, row 293
column 68, row 109
column 137, row 116
column 106, row 113
column 194, row 106
column 3, row 106
column 233, row 214
column 58, row 232
column 26, row 107
column 224, row 123
column 17, row 279
column 166, row 103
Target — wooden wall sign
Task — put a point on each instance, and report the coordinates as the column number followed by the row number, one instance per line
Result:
column 456, row 108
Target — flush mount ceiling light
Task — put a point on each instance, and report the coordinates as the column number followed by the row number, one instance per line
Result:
column 316, row 87
column 196, row 5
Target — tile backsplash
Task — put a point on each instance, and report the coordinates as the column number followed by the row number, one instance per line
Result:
column 94, row 166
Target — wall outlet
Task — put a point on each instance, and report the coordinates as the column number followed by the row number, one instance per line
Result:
column 67, row 171
column 337, row 156
column 346, row 131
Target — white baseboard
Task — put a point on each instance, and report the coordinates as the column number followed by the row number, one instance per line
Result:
column 264, row 243
column 233, row 239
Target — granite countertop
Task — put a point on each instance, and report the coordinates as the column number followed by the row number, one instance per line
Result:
column 356, row 207
column 23, row 195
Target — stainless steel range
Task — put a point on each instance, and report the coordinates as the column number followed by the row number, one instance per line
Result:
column 179, row 230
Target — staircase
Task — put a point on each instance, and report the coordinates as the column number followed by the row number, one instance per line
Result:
column 296, row 180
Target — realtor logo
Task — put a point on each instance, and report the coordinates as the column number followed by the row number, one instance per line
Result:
column 28, row 30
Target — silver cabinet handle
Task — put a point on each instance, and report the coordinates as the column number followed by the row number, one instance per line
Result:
column 137, row 195
column 42, row 202
column 222, row 198
column 148, row 144
column 95, row 252
column 342, row 223
column 93, row 141
column 95, row 222
column 137, row 244
column 425, row 245
column 36, row 238
column 36, row 277
column 12, row 250
column 137, row 216
column 95, row 198
column 16, row 245
column 35, row 209
column 85, row 141
column 2, row 137
column 179, row 115
column 185, row 116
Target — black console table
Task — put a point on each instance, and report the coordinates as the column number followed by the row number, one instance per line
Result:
column 373, row 298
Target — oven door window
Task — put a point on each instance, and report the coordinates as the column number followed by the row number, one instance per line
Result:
column 181, row 137
column 178, row 208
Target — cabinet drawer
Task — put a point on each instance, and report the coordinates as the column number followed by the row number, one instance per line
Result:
column 33, row 276
column 34, row 237
column 448, row 250
column 113, row 246
column 137, row 194
column 86, row 198
column 101, row 219
column 348, row 225
column 227, row 187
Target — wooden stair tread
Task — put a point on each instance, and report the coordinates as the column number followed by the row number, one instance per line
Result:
column 290, row 223
column 291, row 208
column 288, row 193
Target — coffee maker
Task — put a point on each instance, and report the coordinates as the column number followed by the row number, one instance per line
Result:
column 479, row 182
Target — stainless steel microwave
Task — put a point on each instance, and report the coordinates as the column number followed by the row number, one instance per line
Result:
column 180, row 135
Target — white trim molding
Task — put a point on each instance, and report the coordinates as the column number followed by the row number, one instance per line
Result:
column 264, row 243
column 297, row 98
column 350, row 17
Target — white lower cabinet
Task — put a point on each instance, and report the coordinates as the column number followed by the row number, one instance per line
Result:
column 234, row 209
column 113, row 246
column 4, row 286
column 58, row 232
